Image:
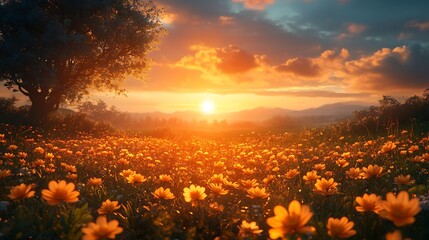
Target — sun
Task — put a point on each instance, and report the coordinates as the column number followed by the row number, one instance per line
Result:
column 207, row 107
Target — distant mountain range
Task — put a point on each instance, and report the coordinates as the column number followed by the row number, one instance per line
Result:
column 335, row 111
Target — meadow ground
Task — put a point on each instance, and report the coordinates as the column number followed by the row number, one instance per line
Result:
column 311, row 184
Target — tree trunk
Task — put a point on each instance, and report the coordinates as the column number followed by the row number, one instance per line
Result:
column 39, row 111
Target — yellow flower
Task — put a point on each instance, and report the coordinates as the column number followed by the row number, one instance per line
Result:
column 163, row 193
column 370, row 202
column 20, row 192
column 218, row 189
column 108, row 207
column 400, row 210
column 405, row 180
column 326, row 187
column 341, row 228
column 290, row 222
column 60, row 192
column 136, row 178
column 257, row 192
column 371, row 171
column 194, row 194
column 101, row 229
column 247, row 229
column 95, row 181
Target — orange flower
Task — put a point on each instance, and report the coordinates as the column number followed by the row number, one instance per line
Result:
column 395, row 235
column 136, row 178
column 101, row 229
column 39, row 150
column 326, row 187
column 127, row 173
column 218, row 189
column 163, row 193
column 291, row 173
column 371, row 171
column 400, row 210
column 4, row 173
column 319, row 167
column 165, row 178
column 311, row 177
column 71, row 176
column 20, row 192
column 246, row 184
column 247, row 229
column 342, row 162
column 405, row 180
column 194, row 194
column 370, row 202
column 108, row 207
column 257, row 192
column 217, row 207
column 218, row 178
column 341, row 228
column 95, row 181
column 268, row 179
column 60, row 192
column 290, row 222
column 387, row 147
column 354, row 173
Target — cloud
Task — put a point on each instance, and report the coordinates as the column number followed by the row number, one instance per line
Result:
column 301, row 67
column 422, row 26
column 355, row 28
column 211, row 61
column 235, row 60
column 255, row 4
column 398, row 68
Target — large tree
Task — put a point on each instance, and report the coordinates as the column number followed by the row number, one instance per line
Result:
column 56, row 51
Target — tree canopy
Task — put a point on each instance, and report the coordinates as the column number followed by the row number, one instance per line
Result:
column 56, row 51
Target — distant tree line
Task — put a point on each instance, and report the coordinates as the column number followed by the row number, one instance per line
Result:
column 391, row 117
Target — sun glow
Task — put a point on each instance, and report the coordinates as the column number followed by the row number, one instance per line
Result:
column 207, row 107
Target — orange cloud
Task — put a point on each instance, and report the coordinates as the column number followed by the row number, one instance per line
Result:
column 235, row 60
column 422, row 26
column 255, row 4
column 355, row 28
column 228, row 60
column 301, row 67
column 399, row 68
column 319, row 69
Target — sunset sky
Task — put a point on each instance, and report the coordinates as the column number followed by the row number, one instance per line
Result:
column 294, row 54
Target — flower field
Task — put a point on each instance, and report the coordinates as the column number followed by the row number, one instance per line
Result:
column 310, row 184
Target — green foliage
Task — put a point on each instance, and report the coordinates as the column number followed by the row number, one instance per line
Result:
column 71, row 220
